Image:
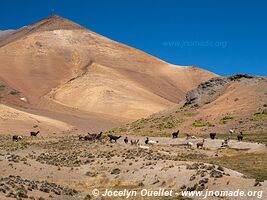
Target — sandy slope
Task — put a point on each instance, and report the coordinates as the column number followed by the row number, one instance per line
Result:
column 236, row 102
column 59, row 61
column 15, row 121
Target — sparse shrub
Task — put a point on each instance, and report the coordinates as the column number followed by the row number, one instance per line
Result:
column 190, row 114
column 2, row 87
column 226, row 119
column 116, row 171
column 167, row 125
column 200, row 123
column 259, row 116
column 119, row 130
column 14, row 92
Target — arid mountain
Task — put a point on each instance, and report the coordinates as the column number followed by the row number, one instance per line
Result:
column 4, row 34
column 237, row 102
column 58, row 65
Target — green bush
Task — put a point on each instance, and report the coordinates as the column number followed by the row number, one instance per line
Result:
column 226, row 119
column 259, row 116
column 200, row 123
column 167, row 125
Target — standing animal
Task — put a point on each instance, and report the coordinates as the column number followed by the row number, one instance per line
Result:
column 93, row 135
column 134, row 142
column 98, row 137
column 189, row 136
column 189, row 145
column 175, row 134
column 212, row 136
column 152, row 142
column 225, row 143
column 147, row 140
column 89, row 137
column 231, row 131
column 113, row 138
column 81, row 137
column 34, row 133
column 126, row 140
column 240, row 136
column 143, row 147
column 16, row 138
column 201, row 144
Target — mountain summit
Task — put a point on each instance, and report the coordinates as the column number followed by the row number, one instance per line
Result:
column 59, row 65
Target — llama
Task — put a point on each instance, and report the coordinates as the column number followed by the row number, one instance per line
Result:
column 126, row 140
column 34, row 133
column 90, row 137
column 201, row 144
column 143, row 147
column 113, row 138
column 153, row 142
column 93, row 135
column 134, row 142
column 225, row 143
column 189, row 136
column 81, row 137
column 240, row 136
column 16, row 138
column 212, row 136
column 175, row 134
column 98, row 137
column 189, row 145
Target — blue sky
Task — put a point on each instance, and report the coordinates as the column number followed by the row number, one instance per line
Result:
column 224, row 36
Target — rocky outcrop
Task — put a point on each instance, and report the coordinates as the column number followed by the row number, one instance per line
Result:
column 211, row 89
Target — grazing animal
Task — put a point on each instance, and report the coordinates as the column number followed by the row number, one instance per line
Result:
column 147, row 140
column 143, row 147
column 93, row 135
column 98, row 137
column 34, row 133
column 212, row 136
column 175, row 134
column 134, row 142
column 126, row 140
column 113, row 138
column 190, row 144
column 225, row 143
column 240, row 136
column 81, row 137
column 16, row 138
column 188, row 136
column 231, row 131
column 90, row 137
column 201, row 144
column 152, row 142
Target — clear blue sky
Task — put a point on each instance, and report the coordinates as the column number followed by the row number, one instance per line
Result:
column 226, row 37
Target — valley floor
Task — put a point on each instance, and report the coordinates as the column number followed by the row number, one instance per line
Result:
column 66, row 168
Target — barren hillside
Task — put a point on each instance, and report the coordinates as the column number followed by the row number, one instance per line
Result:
column 237, row 102
column 58, row 62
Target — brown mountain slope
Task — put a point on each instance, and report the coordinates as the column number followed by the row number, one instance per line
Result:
column 5, row 34
column 237, row 102
column 13, row 121
column 58, row 62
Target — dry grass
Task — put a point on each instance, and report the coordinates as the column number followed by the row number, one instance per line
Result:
column 251, row 165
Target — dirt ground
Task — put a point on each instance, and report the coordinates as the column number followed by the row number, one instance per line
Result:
column 65, row 167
